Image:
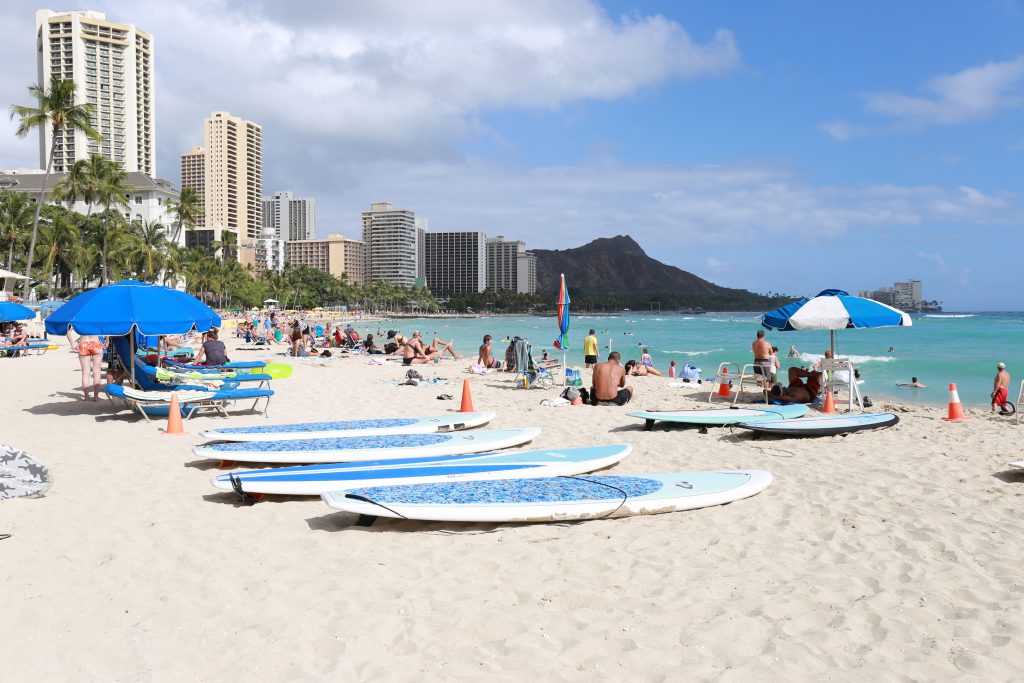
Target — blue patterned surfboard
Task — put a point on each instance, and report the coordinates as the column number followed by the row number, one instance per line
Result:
column 354, row 448
column 451, row 422
column 552, row 498
column 318, row 479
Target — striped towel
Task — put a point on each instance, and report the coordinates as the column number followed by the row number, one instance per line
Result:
column 183, row 396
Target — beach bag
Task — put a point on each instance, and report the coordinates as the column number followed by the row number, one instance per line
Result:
column 570, row 394
column 690, row 372
column 573, row 378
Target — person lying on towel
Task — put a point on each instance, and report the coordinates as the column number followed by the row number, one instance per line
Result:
column 804, row 386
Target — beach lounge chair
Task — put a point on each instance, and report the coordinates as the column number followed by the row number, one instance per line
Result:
column 234, row 366
column 146, row 379
column 190, row 402
column 38, row 347
column 752, row 376
column 727, row 373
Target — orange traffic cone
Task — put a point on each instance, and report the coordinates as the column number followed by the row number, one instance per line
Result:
column 723, row 385
column 467, row 399
column 956, row 411
column 830, row 403
column 174, row 417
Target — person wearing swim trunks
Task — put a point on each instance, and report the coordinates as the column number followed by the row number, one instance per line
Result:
column 764, row 364
column 804, row 386
column 609, row 383
column 590, row 349
column 1001, row 389
column 90, row 357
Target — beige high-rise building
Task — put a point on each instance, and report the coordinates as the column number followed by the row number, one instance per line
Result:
column 233, row 178
column 335, row 255
column 392, row 244
column 193, row 174
column 112, row 67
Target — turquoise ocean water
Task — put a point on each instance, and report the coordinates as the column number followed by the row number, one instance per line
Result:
column 937, row 349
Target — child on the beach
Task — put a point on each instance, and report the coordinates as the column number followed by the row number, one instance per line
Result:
column 672, row 369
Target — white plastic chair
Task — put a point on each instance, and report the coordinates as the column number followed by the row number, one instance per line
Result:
column 839, row 374
column 753, row 374
column 1019, row 395
column 727, row 373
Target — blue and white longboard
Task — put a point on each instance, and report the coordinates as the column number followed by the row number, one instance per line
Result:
column 328, row 430
column 826, row 425
column 552, row 499
column 354, row 448
column 717, row 417
column 313, row 480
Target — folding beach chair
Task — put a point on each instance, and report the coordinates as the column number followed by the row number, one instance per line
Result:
column 190, row 402
column 526, row 367
column 752, row 375
column 726, row 374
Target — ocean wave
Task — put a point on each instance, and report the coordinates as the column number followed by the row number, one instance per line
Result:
column 950, row 315
column 857, row 360
column 693, row 353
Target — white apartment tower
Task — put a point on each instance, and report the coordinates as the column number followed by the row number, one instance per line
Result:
column 391, row 240
column 455, row 262
column 233, row 177
column 291, row 218
column 112, row 67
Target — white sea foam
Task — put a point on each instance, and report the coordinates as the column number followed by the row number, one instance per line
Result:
column 693, row 353
column 949, row 315
column 857, row 360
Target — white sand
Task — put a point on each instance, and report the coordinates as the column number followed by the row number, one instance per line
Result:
column 891, row 555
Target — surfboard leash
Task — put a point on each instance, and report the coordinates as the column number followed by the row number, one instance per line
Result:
column 625, row 496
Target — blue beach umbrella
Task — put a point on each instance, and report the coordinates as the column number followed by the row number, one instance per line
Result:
column 834, row 309
column 129, row 305
column 11, row 311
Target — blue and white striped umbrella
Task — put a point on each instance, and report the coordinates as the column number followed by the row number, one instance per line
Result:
column 834, row 309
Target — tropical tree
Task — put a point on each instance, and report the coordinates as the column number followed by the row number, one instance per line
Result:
column 186, row 210
column 15, row 219
column 57, row 109
column 150, row 245
column 80, row 182
column 58, row 236
column 111, row 188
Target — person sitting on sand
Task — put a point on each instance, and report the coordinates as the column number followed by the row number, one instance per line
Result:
column 213, row 351
column 609, row 383
column 913, row 383
column 410, row 356
column 639, row 369
column 370, row 347
column 1001, row 389
column 804, row 386
column 486, row 357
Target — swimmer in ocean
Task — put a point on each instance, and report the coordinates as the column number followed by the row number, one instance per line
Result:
column 913, row 384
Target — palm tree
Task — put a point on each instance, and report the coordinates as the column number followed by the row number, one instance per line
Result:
column 58, row 237
column 57, row 109
column 15, row 218
column 111, row 186
column 186, row 211
column 150, row 248
column 79, row 183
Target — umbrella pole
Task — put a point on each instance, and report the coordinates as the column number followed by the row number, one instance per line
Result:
column 131, row 347
column 565, row 368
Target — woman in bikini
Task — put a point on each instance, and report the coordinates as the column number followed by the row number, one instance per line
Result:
column 639, row 369
column 90, row 357
column 485, row 357
column 439, row 346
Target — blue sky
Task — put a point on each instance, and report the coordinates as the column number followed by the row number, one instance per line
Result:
column 775, row 146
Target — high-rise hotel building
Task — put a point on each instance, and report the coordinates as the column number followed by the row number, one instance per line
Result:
column 112, row 67
column 510, row 266
column 455, row 262
column 290, row 218
column 392, row 244
column 193, row 174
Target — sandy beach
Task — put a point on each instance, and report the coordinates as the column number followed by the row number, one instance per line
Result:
column 893, row 555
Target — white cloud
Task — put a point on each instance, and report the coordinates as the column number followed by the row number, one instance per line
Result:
column 974, row 94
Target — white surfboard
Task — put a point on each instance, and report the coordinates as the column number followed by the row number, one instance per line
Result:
column 314, row 480
column 21, row 474
column 717, row 417
column 355, row 448
column 452, row 422
column 825, row 425
column 552, row 499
